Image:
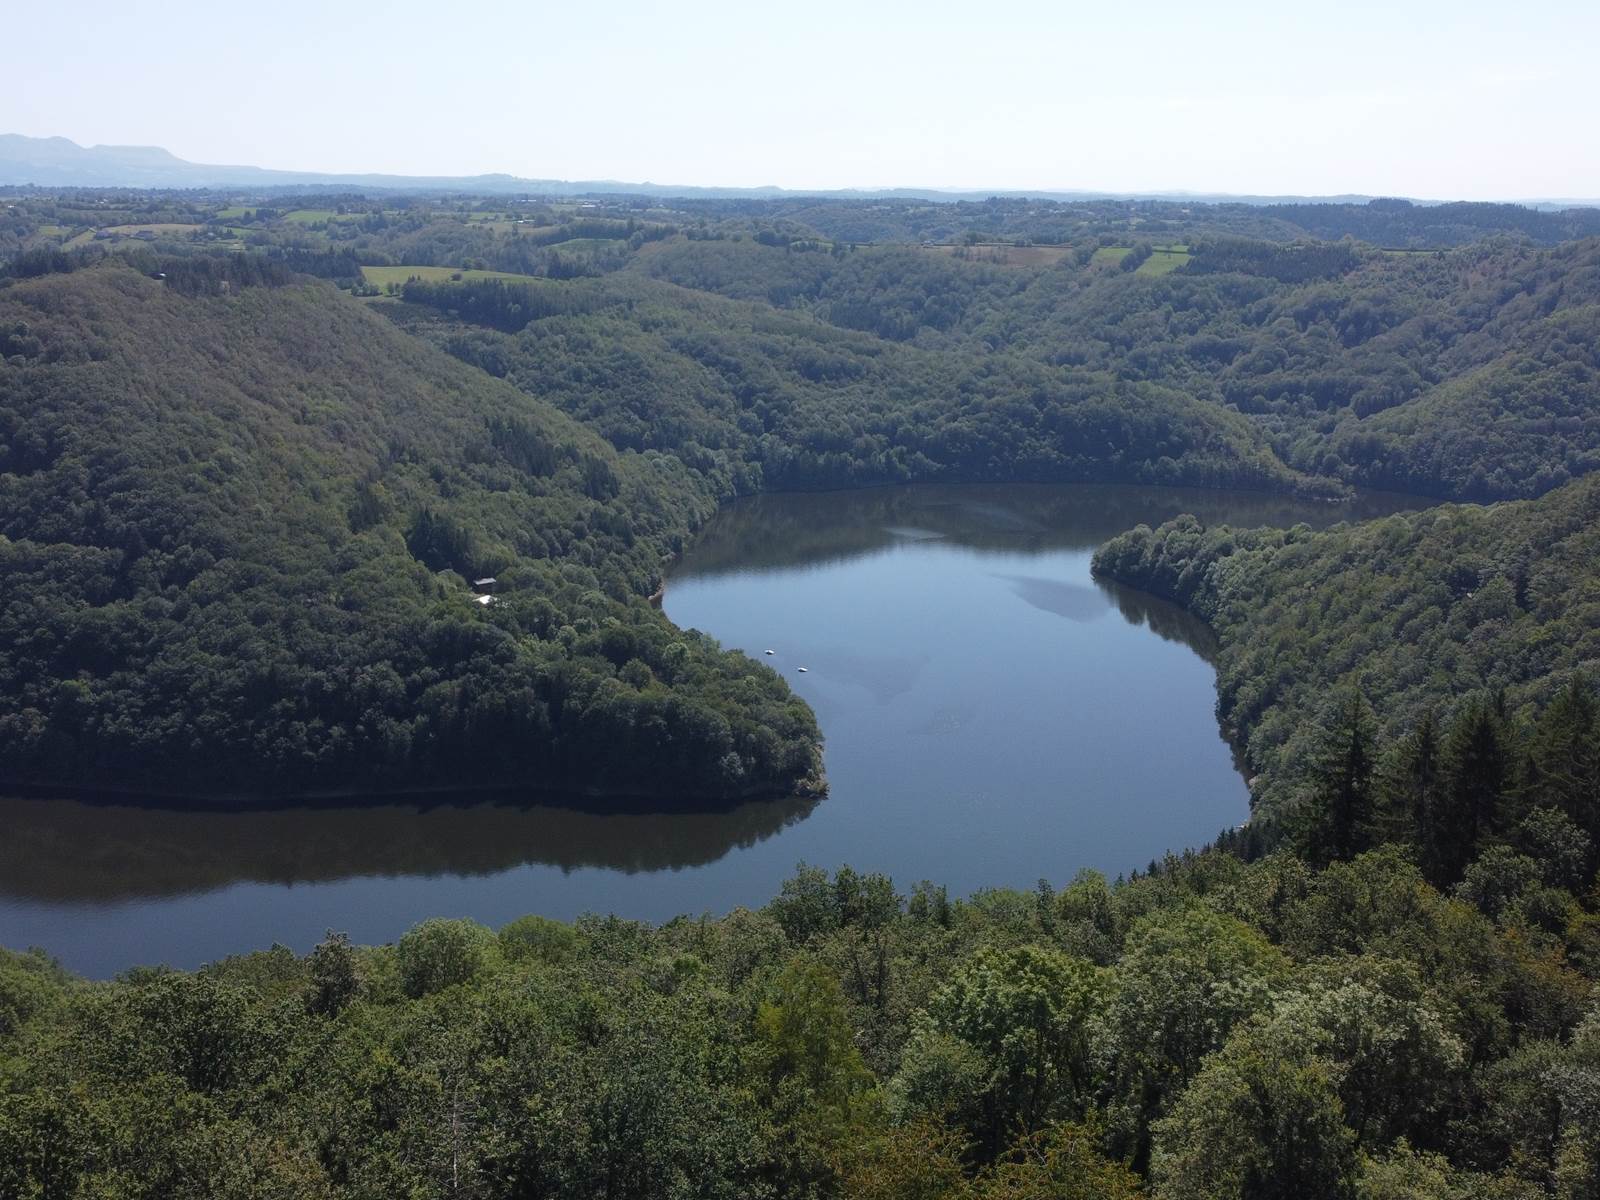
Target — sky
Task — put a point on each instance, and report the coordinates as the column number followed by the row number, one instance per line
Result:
column 1463, row 100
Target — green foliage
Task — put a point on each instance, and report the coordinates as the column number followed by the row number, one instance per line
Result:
column 335, row 975
column 807, row 1072
column 1407, row 1174
column 1465, row 375
column 803, row 1039
column 1337, row 821
column 1356, row 1030
column 538, row 938
column 1005, row 1044
column 1060, row 1163
column 750, row 398
column 1563, row 755
column 1442, row 610
column 1186, row 978
column 236, row 524
column 31, row 985
column 438, row 954
column 1394, row 1062
column 1256, row 1125
column 914, row 1161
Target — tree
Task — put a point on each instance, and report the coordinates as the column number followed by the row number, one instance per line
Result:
column 1564, row 852
column 1256, row 1125
column 1475, row 771
column 1086, row 917
column 803, row 1040
column 1339, row 824
column 335, row 977
column 807, row 1072
column 1407, row 1174
column 807, row 905
column 1408, row 785
column 1563, row 764
column 31, row 986
column 1062, row 1162
column 1186, row 979
column 919, row 1160
column 1015, row 1025
column 1497, row 880
column 539, row 938
column 1376, row 1022
column 440, row 953
column 1540, row 1108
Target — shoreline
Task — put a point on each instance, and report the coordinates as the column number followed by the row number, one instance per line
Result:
column 600, row 801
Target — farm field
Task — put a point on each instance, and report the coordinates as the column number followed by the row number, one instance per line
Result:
column 83, row 239
column 316, row 216
column 1006, row 255
column 1109, row 255
column 586, row 244
column 1162, row 260
column 381, row 276
column 1165, row 259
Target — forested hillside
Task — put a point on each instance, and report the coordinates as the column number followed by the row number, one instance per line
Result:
column 1393, row 223
column 755, row 399
column 238, row 517
column 1422, row 614
column 1443, row 349
column 1465, row 375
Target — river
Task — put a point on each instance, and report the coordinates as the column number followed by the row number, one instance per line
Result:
column 992, row 716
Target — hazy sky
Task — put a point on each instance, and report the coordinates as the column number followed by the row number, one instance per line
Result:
column 1467, row 99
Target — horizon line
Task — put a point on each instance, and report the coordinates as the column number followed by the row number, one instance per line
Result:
column 309, row 177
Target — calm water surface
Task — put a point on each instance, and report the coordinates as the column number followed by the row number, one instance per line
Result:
column 993, row 716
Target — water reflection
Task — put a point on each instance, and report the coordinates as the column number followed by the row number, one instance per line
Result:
column 818, row 529
column 1162, row 617
column 72, row 851
column 1074, row 601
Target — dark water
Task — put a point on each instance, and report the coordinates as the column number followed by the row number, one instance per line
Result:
column 992, row 715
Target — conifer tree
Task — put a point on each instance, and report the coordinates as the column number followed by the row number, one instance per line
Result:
column 1338, row 824
column 1409, row 787
column 1475, row 769
column 1563, row 761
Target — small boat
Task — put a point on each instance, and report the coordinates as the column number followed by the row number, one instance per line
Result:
column 771, row 651
column 802, row 670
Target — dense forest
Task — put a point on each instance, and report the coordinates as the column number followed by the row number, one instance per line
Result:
column 756, row 399
column 1442, row 365
column 1463, row 375
column 260, row 456
column 1420, row 613
column 239, row 530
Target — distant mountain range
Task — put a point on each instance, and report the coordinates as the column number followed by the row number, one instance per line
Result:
column 60, row 162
